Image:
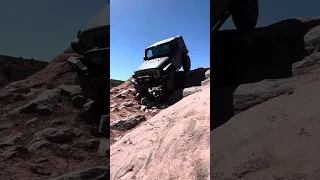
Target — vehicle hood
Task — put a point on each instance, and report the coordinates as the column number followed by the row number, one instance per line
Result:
column 154, row 63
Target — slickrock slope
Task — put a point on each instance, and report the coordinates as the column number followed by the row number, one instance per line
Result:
column 266, row 119
column 42, row 135
column 48, row 129
column 56, row 73
column 126, row 112
column 174, row 144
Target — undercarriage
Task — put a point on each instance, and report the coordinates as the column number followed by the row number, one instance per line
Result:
column 151, row 88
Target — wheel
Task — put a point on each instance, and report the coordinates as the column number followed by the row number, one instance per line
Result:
column 167, row 98
column 245, row 14
column 143, row 93
column 88, row 86
column 138, row 90
column 186, row 63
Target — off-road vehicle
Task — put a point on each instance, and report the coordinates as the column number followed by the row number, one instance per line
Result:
column 93, row 64
column 155, row 76
column 244, row 13
column 93, row 46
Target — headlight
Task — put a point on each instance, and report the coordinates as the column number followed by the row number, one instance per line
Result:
column 156, row 73
column 86, row 42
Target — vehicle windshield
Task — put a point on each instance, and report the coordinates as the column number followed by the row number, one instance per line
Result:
column 158, row 51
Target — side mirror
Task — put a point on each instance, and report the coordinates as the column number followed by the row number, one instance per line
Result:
column 144, row 58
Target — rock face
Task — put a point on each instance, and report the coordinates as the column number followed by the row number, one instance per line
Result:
column 264, row 116
column 38, row 143
column 126, row 109
column 127, row 123
column 271, row 61
column 174, row 144
column 6, row 126
column 10, row 140
column 60, row 134
column 97, row 173
column 40, row 128
column 70, row 91
column 44, row 104
column 262, row 82
column 16, row 151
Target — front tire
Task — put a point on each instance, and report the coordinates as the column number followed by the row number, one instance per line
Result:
column 245, row 14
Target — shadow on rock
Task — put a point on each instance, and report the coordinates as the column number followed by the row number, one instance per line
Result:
column 188, row 83
column 264, row 53
column 190, row 79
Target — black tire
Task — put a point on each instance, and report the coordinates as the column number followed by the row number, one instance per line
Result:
column 186, row 63
column 88, row 86
column 138, row 90
column 245, row 14
column 143, row 93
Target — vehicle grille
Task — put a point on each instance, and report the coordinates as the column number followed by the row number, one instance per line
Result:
column 102, row 41
column 145, row 73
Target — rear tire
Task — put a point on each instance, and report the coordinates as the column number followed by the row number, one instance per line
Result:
column 245, row 14
column 186, row 63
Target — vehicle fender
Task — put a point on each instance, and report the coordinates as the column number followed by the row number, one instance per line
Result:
column 76, row 64
column 167, row 67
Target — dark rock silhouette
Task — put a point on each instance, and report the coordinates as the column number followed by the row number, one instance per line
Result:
column 278, row 51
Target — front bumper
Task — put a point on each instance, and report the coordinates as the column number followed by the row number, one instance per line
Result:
column 145, row 82
column 101, row 66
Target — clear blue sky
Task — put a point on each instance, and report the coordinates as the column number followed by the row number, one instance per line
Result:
column 42, row 29
column 272, row 11
column 136, row 25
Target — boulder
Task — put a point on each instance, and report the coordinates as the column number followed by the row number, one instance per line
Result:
column 44, row 104
column 61, row 134
column 78, row 101
column 251, row 94
column 91, row 144
column 127, row 123
column 191, row 90
column 70, row 90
